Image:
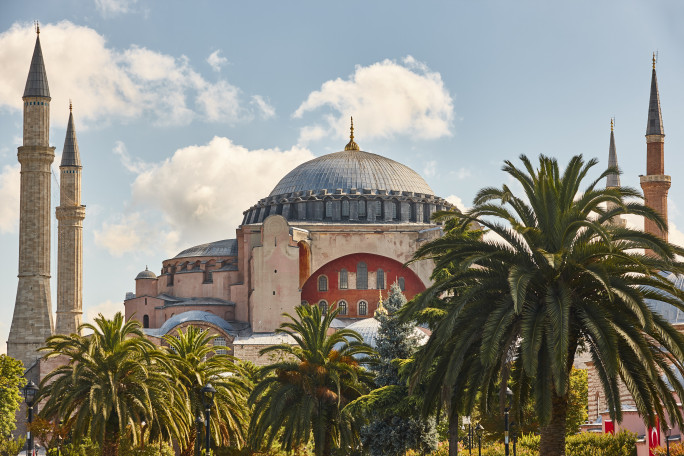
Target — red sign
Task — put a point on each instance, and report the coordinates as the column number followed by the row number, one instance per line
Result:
column 609, row 428
column 653, row 437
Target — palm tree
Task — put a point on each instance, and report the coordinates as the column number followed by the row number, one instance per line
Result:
column 560, row 276
column 110, row 385
column 194, row 360
column 306, row 391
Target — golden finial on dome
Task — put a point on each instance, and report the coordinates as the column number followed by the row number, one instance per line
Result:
column 37, row 28
column 655, row 58
column 351, row 145
column 70, row 107
column 381, row 309
column 612, row 122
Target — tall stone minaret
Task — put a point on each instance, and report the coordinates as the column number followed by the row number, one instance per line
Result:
column 32, row 319
column 613, row 179
column 70, row 215
column 655, row 183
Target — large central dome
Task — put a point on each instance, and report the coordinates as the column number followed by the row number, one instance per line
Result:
column 352, row 169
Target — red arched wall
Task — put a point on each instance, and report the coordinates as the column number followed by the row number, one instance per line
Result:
column 393, row 270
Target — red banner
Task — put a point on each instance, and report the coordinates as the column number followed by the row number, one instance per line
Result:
column 609, row 427
column 653, row 438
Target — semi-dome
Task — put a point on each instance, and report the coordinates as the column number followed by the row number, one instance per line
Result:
column 146, row 274
column 352, row 169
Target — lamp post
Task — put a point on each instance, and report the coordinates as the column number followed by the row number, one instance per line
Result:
column 667, row 439
column 29, row 392
column 198, row 434
column 509, row 395
column 208, row 393
column 478, row 430
column 514, row 437
column 469, row 430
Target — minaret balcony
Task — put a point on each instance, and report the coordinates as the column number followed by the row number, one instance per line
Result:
column 655, row 178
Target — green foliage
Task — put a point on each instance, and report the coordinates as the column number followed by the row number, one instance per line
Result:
column 11, row 379
column 11, row 447
column 589, row 444
column 577, row 401
column 676, row 449
column 305, row 393
column 559, row 276
column 84, row 447
column 394, row 427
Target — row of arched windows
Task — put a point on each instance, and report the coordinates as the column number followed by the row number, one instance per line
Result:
column 343, row 307
column 361, row 279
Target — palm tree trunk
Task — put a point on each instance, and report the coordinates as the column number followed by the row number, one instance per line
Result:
column 189, row 450
column 553, row 434
column 453, row 433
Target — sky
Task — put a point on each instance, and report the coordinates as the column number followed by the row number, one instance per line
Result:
column 188, row 113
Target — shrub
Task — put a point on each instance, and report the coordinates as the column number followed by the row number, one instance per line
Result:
column 676, row 449
column 10, row 447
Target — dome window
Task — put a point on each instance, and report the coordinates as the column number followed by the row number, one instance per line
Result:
column 363, row 308
column 361, row 276
column 323, row 305
column 345, row 208
column 362, row 208
column 322, row 283
column 344, row 279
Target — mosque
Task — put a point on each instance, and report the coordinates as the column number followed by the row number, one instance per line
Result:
column 335, row 232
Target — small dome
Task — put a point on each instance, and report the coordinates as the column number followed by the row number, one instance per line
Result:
column 352, row 169
column 146, row 274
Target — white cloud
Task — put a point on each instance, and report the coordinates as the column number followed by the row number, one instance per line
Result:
column 131, row 164
column 456, row 201
column 267, row 111
column 107, row 308
column 430, row 168
column 386, row 98
column 216, row 61
column 114, row 7
column 197, row 195
column 9, row 195
column 106, row 83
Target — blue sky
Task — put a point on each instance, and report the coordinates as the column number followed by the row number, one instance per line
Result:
column 188, row 115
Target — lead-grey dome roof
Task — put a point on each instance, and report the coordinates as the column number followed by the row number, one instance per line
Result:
column 226, row 247
column 352, row 169
column 146, row 274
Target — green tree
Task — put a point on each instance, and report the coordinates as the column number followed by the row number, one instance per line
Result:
column 558, row 276
column 111, row 383
column 11, row 380
column 394, row 427
column 193, row 357
column 309, row 388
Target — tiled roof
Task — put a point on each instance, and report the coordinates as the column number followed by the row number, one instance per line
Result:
column 37, row 83
column 70, row 155
column 226, row 247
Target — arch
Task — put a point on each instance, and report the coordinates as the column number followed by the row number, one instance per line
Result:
column 323, row 305
column 322, row 283
column 343, row 307
column 361, row 276
column 362, row 308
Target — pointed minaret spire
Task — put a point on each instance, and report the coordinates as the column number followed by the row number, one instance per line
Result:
column 37, row 83
column 613, row 179
column 70, row 155
column 655, row 120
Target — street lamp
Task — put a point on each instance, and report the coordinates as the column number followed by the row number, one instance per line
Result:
column 198, row 434
column 667, row 439
column 509, row 395
column 514, row 437
column 208, row 393
column 478, row 430
column 469, row 436
column 29, row 392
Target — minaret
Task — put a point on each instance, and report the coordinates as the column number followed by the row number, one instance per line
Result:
column 70, row 215
column 32, row 319
column 655, row 183
column 613, row 179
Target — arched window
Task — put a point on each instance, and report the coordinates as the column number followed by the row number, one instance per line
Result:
column 343, row 308
column 305, row 303
column 363, row 308
column 322, row 283
column 362, row 208
column 323, row 305
column 328, row 208
column 361, row 276
column 396, row 210
column 380, row 276
column 402, row 284
column 344, row 279
column 208, row 275
column 146, row 321
column 345, row 208
column 220, row 341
